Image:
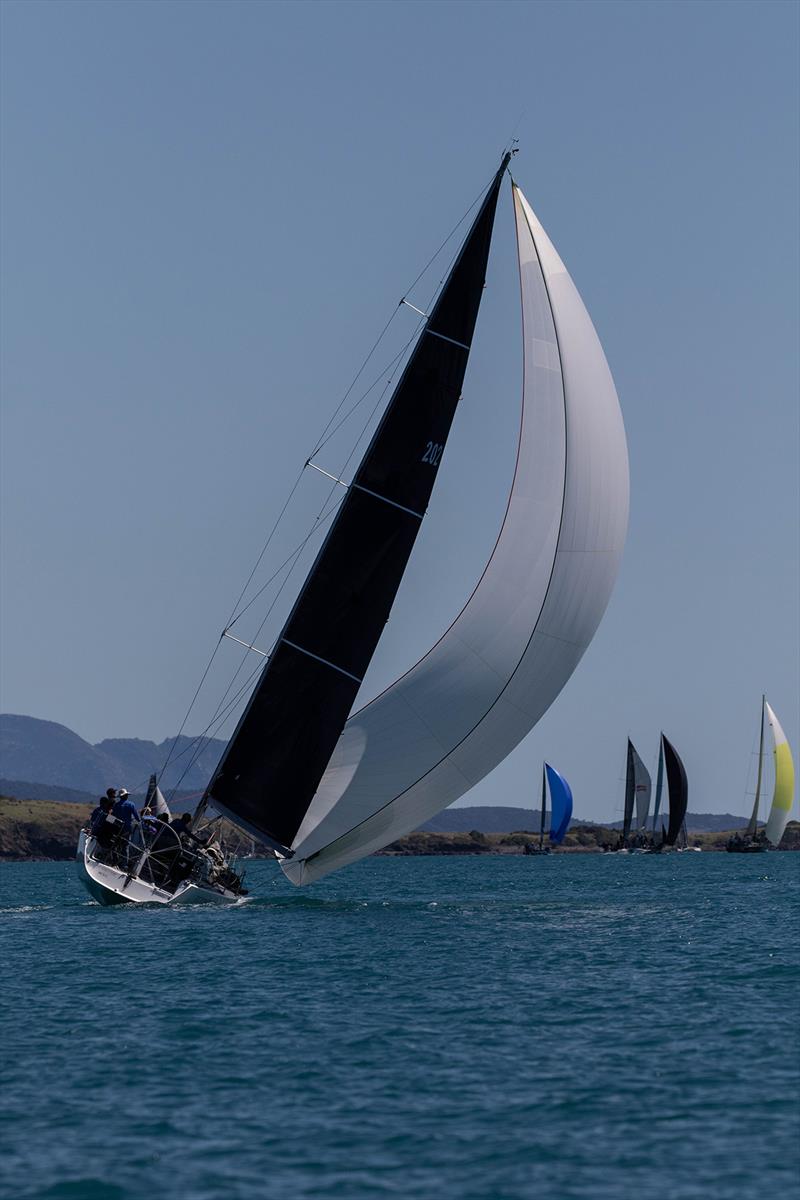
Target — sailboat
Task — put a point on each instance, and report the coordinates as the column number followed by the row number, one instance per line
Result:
column 323, row 785
column 637, row 791
column 753, row 841
column 560, row 810
column 678, row 792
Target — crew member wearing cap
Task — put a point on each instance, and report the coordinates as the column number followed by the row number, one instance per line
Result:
column 125, row 811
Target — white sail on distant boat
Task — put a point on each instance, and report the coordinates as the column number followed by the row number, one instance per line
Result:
column 637, row 793
column 323, row 787
column 754, row 841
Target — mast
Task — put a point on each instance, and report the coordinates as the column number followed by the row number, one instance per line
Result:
column 544, row 807
column 753, row 823
column 630, row 792
column 268, row 774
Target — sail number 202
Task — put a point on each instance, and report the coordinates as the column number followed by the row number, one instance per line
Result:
column 433, row 452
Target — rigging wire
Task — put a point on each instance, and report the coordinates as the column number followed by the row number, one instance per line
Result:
column 324, row 437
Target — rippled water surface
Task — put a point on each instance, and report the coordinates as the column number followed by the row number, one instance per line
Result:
column 480, row 1028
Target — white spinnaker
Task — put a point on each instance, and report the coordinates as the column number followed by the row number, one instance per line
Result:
column 783, row 797
column 446, row 723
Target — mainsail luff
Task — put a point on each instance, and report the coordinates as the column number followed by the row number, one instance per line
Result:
column 753, row 823
column 678, row 790
column 270, row 770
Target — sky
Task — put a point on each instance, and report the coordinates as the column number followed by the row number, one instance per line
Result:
column 209, row 212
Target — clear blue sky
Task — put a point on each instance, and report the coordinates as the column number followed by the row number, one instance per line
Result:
column 208, row 212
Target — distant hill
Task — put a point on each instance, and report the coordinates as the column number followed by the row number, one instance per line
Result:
column 47, row 753
column 498, row 819
column 42, row 760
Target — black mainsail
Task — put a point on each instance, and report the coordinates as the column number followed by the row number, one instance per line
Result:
column 678, row 791
column 271, row 768
column 630, row 794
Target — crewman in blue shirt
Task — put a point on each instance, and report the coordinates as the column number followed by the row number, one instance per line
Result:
column 126, row 811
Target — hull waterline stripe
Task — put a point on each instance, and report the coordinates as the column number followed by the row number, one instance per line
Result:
column 326, row 662
column 445, row 338
column 386, row 500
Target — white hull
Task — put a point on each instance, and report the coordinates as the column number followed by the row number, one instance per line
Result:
column 109, row 885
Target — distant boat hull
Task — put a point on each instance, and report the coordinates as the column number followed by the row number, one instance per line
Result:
column 109, row 886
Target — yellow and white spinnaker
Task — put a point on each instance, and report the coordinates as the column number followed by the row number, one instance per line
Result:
column 783, row 797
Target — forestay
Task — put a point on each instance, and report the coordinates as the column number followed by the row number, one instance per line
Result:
column 466, row 704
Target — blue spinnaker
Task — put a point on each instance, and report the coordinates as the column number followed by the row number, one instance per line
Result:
column 560, row 804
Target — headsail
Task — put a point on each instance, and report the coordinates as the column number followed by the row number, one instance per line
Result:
column 637, row 791
column 678, row 791
column 560, row 805
column 454, row 716
column 659, row 785
column 783, row 798
column 270, row 771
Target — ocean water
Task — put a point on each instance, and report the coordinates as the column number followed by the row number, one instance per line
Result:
column 476, row 1028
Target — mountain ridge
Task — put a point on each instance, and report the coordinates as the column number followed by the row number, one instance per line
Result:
column 43, row 760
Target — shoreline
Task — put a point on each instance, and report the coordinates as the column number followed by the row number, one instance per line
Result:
column 47, row 831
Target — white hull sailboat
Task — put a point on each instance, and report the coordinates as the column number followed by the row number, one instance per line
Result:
column 560, row 810
column 155, row 865
column 755, row 841
column 637, row 792
column 110, row 884
column 323, row 783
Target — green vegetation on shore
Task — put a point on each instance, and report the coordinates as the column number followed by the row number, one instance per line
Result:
column 48, row 830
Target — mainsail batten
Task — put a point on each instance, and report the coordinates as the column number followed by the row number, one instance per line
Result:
column 446, row 723
column 272, row 765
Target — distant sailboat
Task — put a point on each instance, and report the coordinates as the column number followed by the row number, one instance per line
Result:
column 678, row 791
column 754, row 841
column 637, row 793
column 560, row 809
column 324, row 786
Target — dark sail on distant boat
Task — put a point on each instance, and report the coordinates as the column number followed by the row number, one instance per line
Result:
column 637, row 792
column 298, row 709
column 678, row 788
column 630, row 794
